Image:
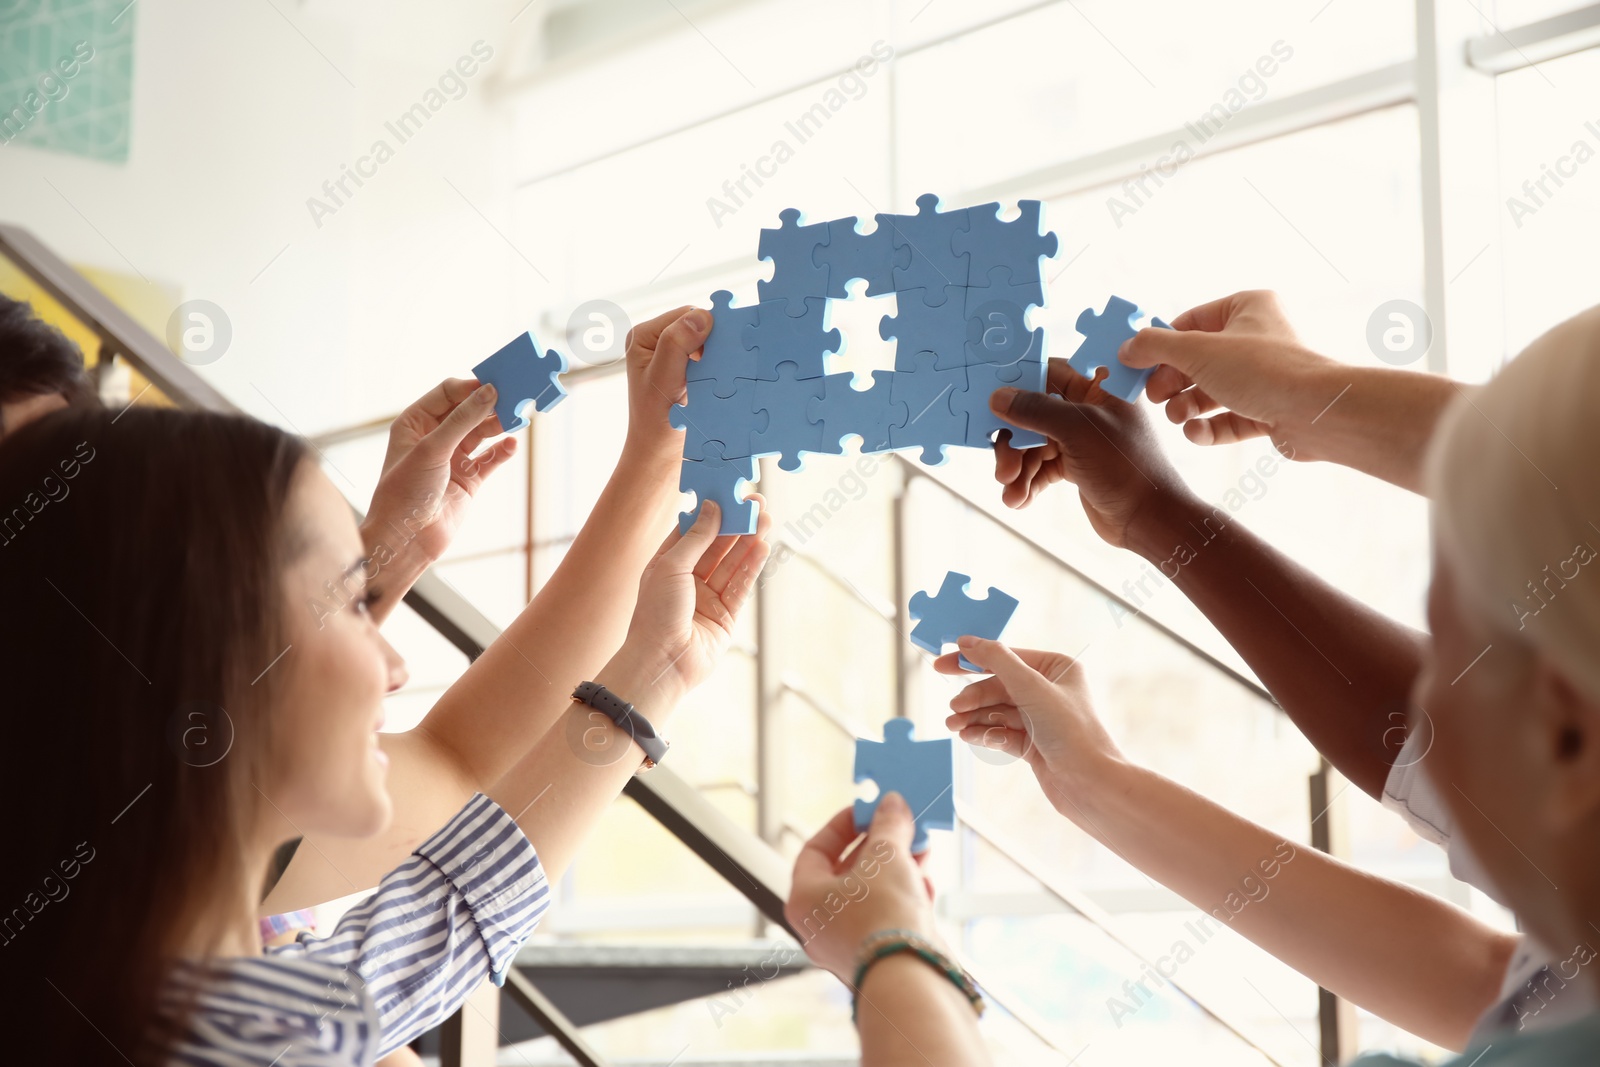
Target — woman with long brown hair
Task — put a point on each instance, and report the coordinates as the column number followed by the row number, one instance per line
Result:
column 182, row 701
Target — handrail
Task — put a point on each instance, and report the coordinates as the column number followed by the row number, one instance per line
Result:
column 913, row 472
column 115, row 327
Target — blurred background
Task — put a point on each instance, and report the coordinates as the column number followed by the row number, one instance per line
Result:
column 359, row 199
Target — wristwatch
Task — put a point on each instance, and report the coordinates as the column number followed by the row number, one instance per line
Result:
column 622, row 713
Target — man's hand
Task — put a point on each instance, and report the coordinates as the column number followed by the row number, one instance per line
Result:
column 429, row 478
column 1101, row 444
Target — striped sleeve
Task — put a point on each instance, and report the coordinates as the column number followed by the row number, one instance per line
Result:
column 452, row 915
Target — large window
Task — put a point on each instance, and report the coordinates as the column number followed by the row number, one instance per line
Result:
column 1318, row 181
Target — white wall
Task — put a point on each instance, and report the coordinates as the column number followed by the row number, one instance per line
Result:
column 237, row 120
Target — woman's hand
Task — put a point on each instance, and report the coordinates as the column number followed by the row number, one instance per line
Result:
column 841, row 894
column 658, row 360
column 1238, row 354
column 1101, row 444
column 429, row 478
column 690, row 598
column 1035, row 706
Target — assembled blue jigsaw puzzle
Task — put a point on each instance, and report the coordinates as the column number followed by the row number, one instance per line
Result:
column 1103, row 334
column 952, row 614
column 964, row 282
column 522, row 377
column 921, row 771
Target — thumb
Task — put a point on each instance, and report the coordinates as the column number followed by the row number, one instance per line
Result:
column 1050, row 415
column 1186, row 350
column 1022, row 682
column 681, row 557
column 683, row 336
column 893, row 822
column 442, row 441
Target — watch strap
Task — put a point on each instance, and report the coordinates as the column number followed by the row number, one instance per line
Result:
column 627, row 718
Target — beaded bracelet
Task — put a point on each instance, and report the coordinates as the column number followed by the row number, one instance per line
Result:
column 886, row 943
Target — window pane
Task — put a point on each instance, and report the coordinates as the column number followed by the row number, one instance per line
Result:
column 1549, row 136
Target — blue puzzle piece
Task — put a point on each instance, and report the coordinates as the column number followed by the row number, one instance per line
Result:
column 866, row 413
column 952, row 614
column 921, row 771
column 934, row 262
column 1017, row 245
column 999, row 333
column 932, row 422
column 982, row 380
column 789, row 431
column 1103, row 334
column 795, row 276
column 522, row 377
column 719, row 479
column 998, row 285
column 780, row 335
column 942, row 329
column 729, row 421
column 724, row 357
column 850, row 254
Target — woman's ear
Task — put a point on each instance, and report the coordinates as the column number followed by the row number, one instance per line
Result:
column 1571, row 723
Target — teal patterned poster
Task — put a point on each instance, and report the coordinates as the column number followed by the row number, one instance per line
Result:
column 66, row 75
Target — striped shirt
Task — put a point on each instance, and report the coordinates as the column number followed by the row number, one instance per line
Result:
column 398, row 964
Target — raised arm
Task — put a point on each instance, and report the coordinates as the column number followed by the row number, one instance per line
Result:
column 689, row 598
column 1342, row 671
column 850, row 890
column 511, row 695
column 1421, row 963
column 1233, row 369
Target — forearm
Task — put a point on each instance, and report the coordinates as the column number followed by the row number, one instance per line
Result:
column 559, row 790
column 396, row 563
column 1377, row 420
column 514, row 692
column 909, row 1015
column 1413, row 959
column 1342, row 671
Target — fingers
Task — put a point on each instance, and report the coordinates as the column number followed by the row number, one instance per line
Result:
column 1007, row 460
column 1041, row 412
column 680, row 552
column 440, row 443
column 1225, row 429
column 442, row 399
column 1000, row 716
column 1191, row 403
column 1165, row 383
column 681, row 338
column 643, row 337
column 819, row 858
column 1019, row 677
column 996, row 739
column 1047, row 663
column 1210, row 317
column 741, row 580
column 472, row 472
column 1186, row 351
column 892, row 822
column 717, row 567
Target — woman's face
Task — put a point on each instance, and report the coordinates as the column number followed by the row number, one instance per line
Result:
column 337, row 669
